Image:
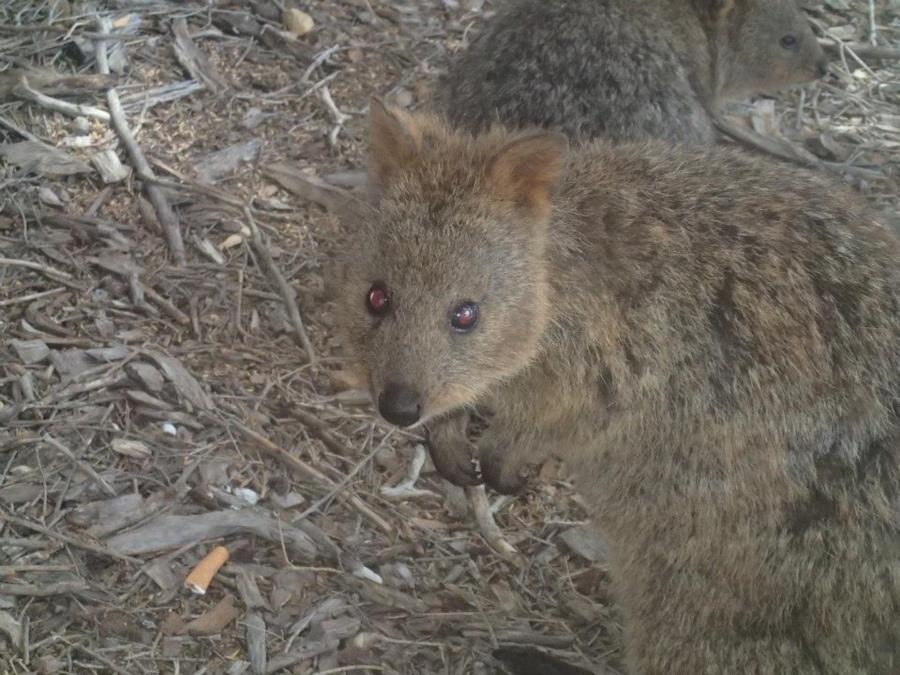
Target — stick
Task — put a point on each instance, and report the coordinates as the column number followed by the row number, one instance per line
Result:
column 23, row 91
column 44, row 590
column 789, row 151
column 277, row 278
column 861, row 49
column 27, row 135
column 489, row 529
column 31, row 296
column 37, row 267
column 66, row 539
column 873, row 30
column 766, row 144
column 157, row 197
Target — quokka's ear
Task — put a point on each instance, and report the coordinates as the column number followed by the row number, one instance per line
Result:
column 394, row 142
column 526, row 170
column 720, row 9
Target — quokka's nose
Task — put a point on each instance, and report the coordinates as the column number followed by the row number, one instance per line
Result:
column 822, row 68
column 399, row 405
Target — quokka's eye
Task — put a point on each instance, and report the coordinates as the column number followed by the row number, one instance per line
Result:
column 464, row 317
column 377, row 300
column 790, row 41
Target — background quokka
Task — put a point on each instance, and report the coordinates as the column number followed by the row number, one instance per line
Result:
column 711, row 341
column 626, row 70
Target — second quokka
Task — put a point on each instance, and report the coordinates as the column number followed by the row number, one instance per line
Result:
column 626, row 69
column 710, row 341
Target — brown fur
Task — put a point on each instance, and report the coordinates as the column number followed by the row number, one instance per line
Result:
column 626, row 69
column 713, row 344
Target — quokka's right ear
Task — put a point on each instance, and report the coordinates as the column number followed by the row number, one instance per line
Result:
column 394, row 143
column 721, row 8
column 526, row 170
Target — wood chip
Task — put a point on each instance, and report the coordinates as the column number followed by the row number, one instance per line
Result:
column 587, row 542
column 109, row 167
column 160, row 571
column 185, row 383
column 147, row 375
column 12, row 628
column 173, row 531
column 256, row 642
column 217, row 165
column 313, row 189
column 216, row 619
column 194, row 60
column 42, row 159
column 31, row 351
column 92, row 513
column 130, row 448
column 248, row 588
column 72, row 362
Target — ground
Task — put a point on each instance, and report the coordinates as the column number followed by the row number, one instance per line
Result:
column 152, row 411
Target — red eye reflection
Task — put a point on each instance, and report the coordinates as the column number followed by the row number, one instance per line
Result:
column 377, row 300
column 464, row 317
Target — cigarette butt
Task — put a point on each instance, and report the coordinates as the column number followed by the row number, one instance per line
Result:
column 199, row 578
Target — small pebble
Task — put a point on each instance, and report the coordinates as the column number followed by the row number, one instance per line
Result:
column 297, row 21
column 248, row 495
column 80, row 125
column 48, row 197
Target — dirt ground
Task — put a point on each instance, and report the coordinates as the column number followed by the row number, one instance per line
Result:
column 152, row 409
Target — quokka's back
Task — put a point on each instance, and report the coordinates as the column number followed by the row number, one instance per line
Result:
column 626, row 70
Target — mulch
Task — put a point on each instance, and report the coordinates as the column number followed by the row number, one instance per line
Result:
column 171, row 180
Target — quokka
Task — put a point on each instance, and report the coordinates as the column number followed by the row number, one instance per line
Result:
column 712, row 343
column 626, row 70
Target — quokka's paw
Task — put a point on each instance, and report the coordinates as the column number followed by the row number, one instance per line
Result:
column 453, row 455
column 502, row 475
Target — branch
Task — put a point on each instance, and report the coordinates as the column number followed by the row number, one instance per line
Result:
column 26, row 93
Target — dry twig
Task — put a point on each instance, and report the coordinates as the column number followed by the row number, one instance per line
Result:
column 281, row 284
column 164, row 211
column 26, row 93
column 488, row 527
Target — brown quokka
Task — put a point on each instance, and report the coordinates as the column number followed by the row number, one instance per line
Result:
column 712, row 342
column 625, row 69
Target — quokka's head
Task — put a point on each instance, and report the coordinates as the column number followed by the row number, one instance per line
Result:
column 764, row 45
column 443, row 286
